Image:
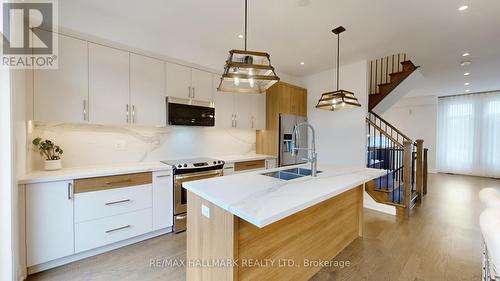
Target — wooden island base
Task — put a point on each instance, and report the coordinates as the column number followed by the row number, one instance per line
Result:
column 275, row 252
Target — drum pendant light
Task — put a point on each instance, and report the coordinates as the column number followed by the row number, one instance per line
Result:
column 339, row 99
column 247, row 71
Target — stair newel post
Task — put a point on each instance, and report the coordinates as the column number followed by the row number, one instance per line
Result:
column 420, row 169
column 407, row 171
column 424, row 189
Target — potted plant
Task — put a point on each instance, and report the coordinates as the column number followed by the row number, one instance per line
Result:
column 51, row 152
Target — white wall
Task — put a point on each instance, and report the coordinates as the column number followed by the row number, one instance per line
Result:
column 90, row 145
column 417, row 118
column 341, row 135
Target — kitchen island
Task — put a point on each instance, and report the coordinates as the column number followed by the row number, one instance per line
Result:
column 273, row 224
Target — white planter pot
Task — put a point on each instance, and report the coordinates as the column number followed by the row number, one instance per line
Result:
column 52, row 165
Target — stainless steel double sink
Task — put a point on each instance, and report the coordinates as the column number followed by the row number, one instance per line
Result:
column 290, row 174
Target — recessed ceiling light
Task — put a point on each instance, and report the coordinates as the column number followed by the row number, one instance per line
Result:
column 466, row 83
column 465, row 63
column 465, row 54
column 302, row 63
column 241, row 36
column 467, row 73
column 463, row 7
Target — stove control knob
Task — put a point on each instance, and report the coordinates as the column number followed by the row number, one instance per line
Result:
column 179, row 166
column 220, row 162
column 215, row 162
column 185, row 165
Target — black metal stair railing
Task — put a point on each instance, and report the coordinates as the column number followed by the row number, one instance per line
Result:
column 386, row 150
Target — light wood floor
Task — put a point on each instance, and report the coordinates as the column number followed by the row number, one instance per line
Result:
column 440, row 242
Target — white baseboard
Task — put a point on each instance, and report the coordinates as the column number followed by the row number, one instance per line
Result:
column 97, row 251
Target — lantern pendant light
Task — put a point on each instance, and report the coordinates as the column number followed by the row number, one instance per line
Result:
column 339, row 99
column 247, row 71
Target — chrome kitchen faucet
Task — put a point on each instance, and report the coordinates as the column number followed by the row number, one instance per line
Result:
column 313, row 158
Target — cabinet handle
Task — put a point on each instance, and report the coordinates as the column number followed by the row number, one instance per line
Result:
column 70, row 190
column 127, row 112
column 162, row 176
column 194, row 92
column 189, row 91
column 252, row 123
column 118, row 202
column 235, row 120
column 85, row 110
column 232, row 121
column 133, row 113
column 119, row 228
column 119, row 181
column 181, row 217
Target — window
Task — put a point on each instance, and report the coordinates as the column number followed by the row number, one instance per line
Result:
column 469, row 134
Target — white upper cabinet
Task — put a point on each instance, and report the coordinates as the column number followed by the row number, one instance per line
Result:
column 201, row 83
column 236, row 110
column 109, row 93
column 188, row 83
column 178, row 81
column 62, row 94
column 243, row 110
column 49, row 221
column 147, row 91
column 259, row 111
column 224, row 106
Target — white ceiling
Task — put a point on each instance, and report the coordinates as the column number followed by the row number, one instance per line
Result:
column 434, row 33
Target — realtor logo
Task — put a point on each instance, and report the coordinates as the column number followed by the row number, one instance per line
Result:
column 29, row 40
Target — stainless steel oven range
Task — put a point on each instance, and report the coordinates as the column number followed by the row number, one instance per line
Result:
column 185, row 170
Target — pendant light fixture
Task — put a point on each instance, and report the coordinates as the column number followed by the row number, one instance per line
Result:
column 247, row 71
column 339, row 99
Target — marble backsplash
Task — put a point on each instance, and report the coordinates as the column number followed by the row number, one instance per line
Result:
column 91, row 145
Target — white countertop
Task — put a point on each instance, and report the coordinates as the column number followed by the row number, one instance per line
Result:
column 263, row 200
column 248, row 157
column 88, row 172
column 490, row 227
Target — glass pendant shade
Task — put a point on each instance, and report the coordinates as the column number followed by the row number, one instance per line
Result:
column 247, row 72
column 338, row 100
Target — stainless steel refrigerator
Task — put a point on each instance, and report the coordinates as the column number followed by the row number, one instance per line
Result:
column 287, row 124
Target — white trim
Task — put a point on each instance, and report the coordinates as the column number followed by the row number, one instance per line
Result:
column 97, row 251
column 6, row 179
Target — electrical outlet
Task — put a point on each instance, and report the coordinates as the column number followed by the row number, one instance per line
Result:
column 205, row 211
column 120, row 145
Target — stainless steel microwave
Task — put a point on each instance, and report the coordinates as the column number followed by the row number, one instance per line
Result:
column 188, row 112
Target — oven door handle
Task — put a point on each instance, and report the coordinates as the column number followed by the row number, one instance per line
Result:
column 191, row 175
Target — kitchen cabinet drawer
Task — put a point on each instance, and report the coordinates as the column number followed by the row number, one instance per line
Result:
column 106, row 203
column 249, row 165
column 111, row 182
column 97, row 233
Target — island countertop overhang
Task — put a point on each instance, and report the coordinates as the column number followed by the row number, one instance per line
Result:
column 262, row 200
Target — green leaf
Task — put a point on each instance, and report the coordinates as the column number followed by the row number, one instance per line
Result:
column 37, row 141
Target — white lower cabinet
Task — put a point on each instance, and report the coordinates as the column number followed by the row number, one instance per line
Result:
column 61, row 223
column 271, row 163
column 163, row 201
column 49, row 221
column 110, row 202
column 104, row 231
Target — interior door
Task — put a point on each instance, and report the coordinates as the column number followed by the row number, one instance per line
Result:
column 109, row 90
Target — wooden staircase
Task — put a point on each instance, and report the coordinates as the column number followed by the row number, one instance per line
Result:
column 385, row 77
column 404, row 160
